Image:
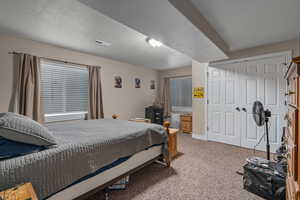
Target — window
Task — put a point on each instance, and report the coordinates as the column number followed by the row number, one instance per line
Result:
column 64, row 91
column 181, row 94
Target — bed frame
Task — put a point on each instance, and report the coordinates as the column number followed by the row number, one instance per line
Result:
column 137, row 162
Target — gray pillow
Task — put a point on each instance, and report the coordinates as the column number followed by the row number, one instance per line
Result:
column 19, row 128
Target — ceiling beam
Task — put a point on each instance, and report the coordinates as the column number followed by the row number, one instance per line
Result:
column 187, row 8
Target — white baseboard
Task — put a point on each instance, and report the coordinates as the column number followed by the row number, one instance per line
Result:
column 199, row 136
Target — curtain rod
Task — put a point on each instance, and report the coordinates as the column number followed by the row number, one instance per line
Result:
column 53, row 59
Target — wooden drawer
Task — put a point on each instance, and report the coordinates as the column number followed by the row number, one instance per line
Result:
column 288, row 193
column 292, row 90
column 186, row 118
column 292, row 159
column 292, row 123
column 186, row 123
column 292, row 189
column 186, row 127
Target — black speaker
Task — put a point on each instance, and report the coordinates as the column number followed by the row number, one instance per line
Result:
column 156, row 115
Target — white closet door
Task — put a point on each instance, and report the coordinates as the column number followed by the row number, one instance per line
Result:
column 232, row 90
column 262, row 80
column 224, row 123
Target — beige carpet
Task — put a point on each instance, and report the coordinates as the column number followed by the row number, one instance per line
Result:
column 203, row 171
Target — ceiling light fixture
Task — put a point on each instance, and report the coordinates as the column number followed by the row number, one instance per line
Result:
column 154, row 43
column 103, row 43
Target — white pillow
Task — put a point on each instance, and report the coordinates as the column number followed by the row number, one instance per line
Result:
column 19, row 128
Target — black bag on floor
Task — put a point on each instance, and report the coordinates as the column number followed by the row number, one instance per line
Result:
column 266, row 179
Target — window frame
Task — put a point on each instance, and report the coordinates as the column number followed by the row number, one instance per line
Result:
column 63, row 116
column 182, row 109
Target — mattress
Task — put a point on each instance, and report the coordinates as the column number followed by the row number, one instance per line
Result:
column 93, row 182
column 83, row 148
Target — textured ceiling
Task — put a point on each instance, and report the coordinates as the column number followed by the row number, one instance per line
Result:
column 161, row 20
column 249, row 23
column 74, row 25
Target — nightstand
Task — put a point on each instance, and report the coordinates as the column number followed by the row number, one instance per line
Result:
column 186, row 123
column 20, row 192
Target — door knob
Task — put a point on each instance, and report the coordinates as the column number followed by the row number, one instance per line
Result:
column 238, row 109
column 244, row 109
column 289, row 93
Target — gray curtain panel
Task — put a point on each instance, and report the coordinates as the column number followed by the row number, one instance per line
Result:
column 95, row 94
column 27, row 95
column 166, row 98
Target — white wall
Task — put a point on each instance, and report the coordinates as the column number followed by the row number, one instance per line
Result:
column 199, row 109
column 127, row 102
column 298, row 46
column 290, row 45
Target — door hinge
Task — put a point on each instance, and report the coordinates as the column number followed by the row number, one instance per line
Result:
column 207, row 73
column 207, row 128
column 207, row 101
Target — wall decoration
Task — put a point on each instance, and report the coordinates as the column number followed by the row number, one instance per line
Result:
column 198, row 92
column 137, row 83
column 118, row 82
column 152, row 84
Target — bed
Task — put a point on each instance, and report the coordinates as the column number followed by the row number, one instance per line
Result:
column 89, row 156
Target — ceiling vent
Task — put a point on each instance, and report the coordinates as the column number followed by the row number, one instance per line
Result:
column 103, row 43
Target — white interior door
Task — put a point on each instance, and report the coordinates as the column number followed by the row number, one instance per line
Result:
column 263, row 80
column 224, row 123
column 232, row 90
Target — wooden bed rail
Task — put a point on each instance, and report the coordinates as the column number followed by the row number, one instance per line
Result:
column 166, row 123
column 167, row 126
column 114, row 116
column 168, row 158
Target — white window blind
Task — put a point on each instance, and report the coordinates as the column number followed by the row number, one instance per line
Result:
column 181, row 94
column 64, row 91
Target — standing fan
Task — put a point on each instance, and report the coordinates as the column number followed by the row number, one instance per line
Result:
column 261, row 117
column 263, row 177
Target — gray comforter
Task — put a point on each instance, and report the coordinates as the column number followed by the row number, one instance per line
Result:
column 83, row 147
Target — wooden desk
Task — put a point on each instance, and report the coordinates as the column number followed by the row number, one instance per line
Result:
column 21, row 192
